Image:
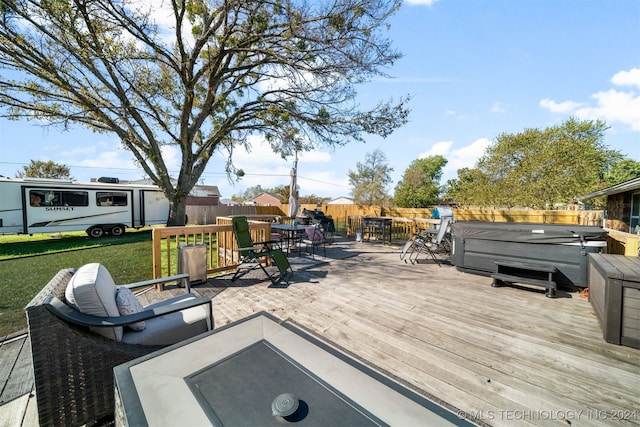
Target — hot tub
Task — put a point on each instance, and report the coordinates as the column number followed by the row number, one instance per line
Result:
column 477, row 246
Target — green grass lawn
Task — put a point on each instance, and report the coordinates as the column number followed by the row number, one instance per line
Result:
column 27, row 263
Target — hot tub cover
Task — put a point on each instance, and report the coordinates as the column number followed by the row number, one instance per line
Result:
column 529, row 233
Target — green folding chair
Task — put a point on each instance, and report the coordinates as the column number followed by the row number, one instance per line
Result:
column 251, row 253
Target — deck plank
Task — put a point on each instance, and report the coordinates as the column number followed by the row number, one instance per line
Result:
column 14, row 413
column 16, row 371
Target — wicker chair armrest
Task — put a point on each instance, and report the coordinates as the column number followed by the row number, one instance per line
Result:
column 71, row 315
column 184, row 277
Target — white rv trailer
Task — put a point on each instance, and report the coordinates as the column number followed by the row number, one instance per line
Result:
column 45, row 205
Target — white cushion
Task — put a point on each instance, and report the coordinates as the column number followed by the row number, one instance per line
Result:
column 128, row 304
column 93, row 291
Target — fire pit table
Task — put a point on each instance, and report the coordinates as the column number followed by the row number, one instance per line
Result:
column 261, row 371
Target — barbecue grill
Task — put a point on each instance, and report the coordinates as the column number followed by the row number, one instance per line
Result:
column 308, row 217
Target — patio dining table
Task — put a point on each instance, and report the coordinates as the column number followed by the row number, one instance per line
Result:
column 290, row 234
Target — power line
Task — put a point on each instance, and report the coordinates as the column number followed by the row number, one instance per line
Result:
column 205, row 173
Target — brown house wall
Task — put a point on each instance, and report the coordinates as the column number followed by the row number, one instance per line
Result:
column 203, row 201
column 619, row 211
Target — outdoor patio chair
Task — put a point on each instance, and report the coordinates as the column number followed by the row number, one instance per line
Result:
column 409, row 246
column 315, row 238
column 253, row 253
column 427, row 243
column 78, row 336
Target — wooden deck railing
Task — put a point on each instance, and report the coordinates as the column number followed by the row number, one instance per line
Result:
column 401, row 228
column 623, row 243
column 221, row 244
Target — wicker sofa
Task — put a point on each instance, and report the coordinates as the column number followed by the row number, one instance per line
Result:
column 73, row 365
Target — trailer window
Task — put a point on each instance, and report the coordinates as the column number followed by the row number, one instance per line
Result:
column 75, row 198
column 111, row 198
column 36, row 198
column 58, row 198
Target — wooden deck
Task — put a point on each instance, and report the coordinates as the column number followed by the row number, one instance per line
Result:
column 504, row 356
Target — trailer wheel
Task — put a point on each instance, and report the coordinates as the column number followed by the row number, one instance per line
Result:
column 117, row 230
column 95, row 232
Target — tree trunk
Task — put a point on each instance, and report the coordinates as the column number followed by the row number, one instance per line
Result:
column 177, row 211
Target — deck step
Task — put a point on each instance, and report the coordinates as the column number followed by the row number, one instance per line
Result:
column 526, row 265
column 521, row 279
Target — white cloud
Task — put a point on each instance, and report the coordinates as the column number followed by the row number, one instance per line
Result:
column 117, row 163
column 172, row 157
column 565, row 107
column 314, row 157
column 627, row 78
column 161, row 13
column 261, row 155
column 258, row 155
column 613, row 106
column 439, row 148
column 100, row 158
column 322, row 183
column 108, row 159
column 500, row 107
column 454, row 114
column 268, row 169
column 465, row 157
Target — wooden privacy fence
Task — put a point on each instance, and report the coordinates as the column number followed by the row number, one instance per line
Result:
column 203, row 215
column 594, row 218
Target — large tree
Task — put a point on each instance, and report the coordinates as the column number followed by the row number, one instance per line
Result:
column 199, row 75
column 420, row 184
column 41, row 169
column 622, row 171
column 370, row 179
column 538, row 167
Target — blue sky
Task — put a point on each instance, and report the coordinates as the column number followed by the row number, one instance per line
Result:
column 475, row 69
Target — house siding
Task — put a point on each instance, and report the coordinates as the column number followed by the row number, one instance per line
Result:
column 619, row 211
column 203, row 201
